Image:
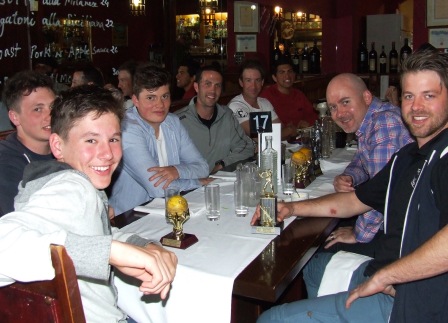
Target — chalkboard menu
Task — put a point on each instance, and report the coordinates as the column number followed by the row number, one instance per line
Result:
column 71, row 32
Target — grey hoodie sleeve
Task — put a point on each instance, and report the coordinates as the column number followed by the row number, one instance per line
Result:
column 90, row 255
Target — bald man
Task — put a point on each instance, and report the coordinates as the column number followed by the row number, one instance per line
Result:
column 380, row 131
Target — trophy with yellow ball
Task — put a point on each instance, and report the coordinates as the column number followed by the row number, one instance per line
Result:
column 302, row 160
column 177, row 214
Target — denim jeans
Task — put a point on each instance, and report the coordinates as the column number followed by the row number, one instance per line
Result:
column 331, row 308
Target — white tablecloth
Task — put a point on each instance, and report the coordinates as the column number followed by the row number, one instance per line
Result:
column 202, row 289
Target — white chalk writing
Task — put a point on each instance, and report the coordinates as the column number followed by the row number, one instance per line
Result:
column 10, row 52
column 16, row 2
column 15, row 19
column 80, row 3
column 51, row 2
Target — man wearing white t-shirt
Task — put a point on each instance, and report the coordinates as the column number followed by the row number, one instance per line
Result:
column 251, row 80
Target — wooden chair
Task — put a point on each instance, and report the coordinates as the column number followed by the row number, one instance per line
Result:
column 56, row 301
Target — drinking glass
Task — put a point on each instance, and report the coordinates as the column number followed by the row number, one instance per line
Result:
column 212, row 202
column 288, row 179
column 241, row 207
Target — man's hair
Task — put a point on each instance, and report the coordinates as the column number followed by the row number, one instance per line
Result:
column 129, row 66
column 23, row 84
column 214, row 68
column 150, row 77
column 253, row 65
column 192, row 66
column 281, row 61
column 426, row 60
column 76, row 103
column 91, row 74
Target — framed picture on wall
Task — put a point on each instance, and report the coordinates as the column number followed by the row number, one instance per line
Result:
column 246, row 43
column 438, row 37
column 246, row 17
column 436, row 13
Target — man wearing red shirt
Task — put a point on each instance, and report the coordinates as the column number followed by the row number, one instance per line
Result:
column 291, row 105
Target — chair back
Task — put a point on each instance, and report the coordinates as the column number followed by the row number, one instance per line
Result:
column 56, row 301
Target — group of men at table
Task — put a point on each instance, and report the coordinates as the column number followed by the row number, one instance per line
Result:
column 62, row 201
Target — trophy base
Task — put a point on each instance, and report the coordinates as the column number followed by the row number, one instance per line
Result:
column 170, row 240
column 258, row 228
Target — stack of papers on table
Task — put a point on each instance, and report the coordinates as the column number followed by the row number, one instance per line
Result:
column 157, row 207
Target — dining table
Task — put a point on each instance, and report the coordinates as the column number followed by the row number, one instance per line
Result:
column 232, row 273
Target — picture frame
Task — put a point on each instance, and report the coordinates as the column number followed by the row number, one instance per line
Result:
column 438, row 37
column 436, row 13
column 246, row 17
column 246, row 43
column 120, row 35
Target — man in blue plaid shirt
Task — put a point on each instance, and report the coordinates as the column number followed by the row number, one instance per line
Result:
column 380, row 131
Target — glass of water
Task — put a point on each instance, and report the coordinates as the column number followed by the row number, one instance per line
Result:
column 212, row 202
column 241, row 207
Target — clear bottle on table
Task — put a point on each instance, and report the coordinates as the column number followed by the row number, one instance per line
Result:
column 269, row 158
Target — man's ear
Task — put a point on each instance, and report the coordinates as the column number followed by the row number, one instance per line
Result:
column 274, row 78
column 56, row 146
column 196, row 86
column 240, row 82
column 135, row 100
column 367, row 96
column 14, row 117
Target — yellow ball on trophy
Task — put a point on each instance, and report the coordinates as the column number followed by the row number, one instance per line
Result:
column 299, row 158
column 177, row 205
column 307, row 152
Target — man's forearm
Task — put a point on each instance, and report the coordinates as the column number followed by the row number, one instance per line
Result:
column 428, row 260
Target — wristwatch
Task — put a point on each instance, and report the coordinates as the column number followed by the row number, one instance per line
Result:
column 220, row 162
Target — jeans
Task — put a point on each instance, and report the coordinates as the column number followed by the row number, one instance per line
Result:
column 331, row 308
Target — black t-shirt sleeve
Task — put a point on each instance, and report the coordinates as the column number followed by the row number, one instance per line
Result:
column 373, row 192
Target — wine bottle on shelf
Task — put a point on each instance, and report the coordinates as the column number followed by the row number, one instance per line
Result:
column 269, row 162
column 362, row 58
column 405, row 51
column 296, row 61
column 305, row 60
column 393, row 59
column 315, row 59
column 372, row 59
column 277, row 52
column 383, row 61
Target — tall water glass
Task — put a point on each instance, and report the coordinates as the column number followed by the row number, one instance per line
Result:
column 212, row 202
column 241, row 206
column 288, row 179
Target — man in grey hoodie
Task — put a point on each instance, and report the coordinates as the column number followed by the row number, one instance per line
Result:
column 212, row 127
column 62, row 202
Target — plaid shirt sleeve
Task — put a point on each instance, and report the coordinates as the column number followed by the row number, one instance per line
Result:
column 382, row 137
column 367, row 225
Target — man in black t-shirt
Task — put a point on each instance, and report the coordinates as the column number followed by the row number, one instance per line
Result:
column 409, row 274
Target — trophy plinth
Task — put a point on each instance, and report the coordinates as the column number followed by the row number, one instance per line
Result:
column 177, row 214
column 187, row 239
column 267, row 224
